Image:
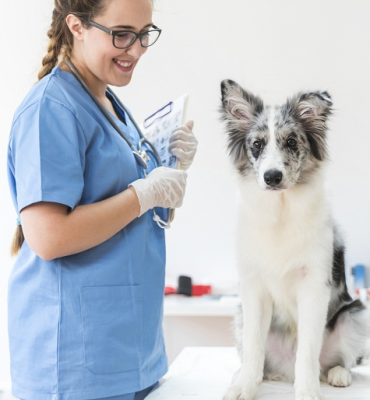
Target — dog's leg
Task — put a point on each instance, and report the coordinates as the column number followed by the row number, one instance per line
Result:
column 257, row 312
column 312, row 301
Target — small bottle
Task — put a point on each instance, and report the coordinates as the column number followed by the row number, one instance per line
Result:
column 358, row 272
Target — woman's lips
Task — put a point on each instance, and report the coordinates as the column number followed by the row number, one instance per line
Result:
column 124, row 65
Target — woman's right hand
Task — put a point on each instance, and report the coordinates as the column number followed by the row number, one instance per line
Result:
column 162, row 187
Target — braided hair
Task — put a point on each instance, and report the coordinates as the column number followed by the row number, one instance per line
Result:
column 60, row 37
column 58, row 49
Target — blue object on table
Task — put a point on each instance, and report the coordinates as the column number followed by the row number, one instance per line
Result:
column 358, row 272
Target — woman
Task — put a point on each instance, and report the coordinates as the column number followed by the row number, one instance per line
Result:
column 86, row 291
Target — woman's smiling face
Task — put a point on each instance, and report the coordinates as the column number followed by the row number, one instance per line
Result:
column 97, row 59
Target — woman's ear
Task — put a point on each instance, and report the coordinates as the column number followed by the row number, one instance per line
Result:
column 75, row 26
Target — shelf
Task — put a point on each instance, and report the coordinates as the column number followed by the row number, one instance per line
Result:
column 181, row 306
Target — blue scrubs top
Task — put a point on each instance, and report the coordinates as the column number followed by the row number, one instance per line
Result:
column 87, row 325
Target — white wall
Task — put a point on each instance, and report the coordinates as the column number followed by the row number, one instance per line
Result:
column 273, row 48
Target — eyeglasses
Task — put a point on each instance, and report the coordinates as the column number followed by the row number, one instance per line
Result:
column 124, row 39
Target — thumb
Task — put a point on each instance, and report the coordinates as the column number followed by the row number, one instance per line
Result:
column 190, row 124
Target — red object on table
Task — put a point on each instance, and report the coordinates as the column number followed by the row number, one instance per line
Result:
column 200, row 290
column 197, row 290
column 169, row 290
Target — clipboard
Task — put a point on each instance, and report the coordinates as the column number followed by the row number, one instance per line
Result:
column 158, row 127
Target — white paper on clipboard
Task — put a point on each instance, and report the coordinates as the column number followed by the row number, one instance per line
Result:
column 159, row 126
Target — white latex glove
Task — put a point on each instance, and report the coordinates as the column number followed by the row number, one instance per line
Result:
column 162, row 187
column 183, row 144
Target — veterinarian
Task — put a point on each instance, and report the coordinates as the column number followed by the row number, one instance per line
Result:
column 86, row 291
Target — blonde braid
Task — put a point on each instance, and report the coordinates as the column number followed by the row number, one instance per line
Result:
column 57, row 38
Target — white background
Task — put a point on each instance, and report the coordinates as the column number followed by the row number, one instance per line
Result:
column 273, row 48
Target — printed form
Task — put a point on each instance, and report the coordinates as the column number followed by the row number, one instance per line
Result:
column 159, row 126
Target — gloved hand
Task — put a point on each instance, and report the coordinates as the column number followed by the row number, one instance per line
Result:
column 183, row 144
column 162, row 187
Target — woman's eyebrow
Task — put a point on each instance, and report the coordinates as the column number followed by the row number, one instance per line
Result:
column 129, row 26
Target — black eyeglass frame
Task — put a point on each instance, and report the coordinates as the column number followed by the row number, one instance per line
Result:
column 117, row 32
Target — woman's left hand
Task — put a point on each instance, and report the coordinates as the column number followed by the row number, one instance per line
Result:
column 183, row 144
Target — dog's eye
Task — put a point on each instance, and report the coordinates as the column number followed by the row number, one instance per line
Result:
column 257, row 144
column 291, row 142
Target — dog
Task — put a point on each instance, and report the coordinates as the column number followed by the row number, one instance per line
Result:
column 300, row 323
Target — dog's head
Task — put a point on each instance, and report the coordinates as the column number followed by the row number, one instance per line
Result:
column 282, row 145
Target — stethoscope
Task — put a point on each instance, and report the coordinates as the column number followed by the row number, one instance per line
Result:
column 140, row 155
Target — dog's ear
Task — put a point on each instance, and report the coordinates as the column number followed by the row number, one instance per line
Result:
column 313, row 110
column 239, row 107
column 239, row 110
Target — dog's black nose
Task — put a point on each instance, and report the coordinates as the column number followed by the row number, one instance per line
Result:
column 273, row 177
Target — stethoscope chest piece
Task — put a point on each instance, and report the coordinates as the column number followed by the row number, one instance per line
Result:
column 141, row 157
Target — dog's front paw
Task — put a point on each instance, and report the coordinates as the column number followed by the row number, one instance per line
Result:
column 339, row 376
column 241, row 392
column 309, row 396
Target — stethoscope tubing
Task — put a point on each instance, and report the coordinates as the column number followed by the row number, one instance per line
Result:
column 97, row 102
column 139, row 154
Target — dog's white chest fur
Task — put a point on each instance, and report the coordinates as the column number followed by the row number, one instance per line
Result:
column 280, row 237
column 282, row 227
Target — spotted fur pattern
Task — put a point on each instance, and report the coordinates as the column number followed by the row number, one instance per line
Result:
column 290, row 254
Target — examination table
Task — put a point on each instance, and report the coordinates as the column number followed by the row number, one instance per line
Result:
column 204, row 373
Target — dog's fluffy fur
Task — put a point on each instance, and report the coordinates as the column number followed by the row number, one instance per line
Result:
column 300, row 322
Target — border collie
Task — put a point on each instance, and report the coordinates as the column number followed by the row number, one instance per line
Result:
column 300, row 322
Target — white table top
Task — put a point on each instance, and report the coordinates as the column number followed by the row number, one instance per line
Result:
column 204, row 373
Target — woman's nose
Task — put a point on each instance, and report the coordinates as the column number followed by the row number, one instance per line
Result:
column 136, row 49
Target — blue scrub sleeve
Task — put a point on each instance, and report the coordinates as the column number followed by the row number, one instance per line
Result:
column 48, row 150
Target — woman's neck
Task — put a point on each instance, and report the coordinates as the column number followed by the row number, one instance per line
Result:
column 97, row 87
